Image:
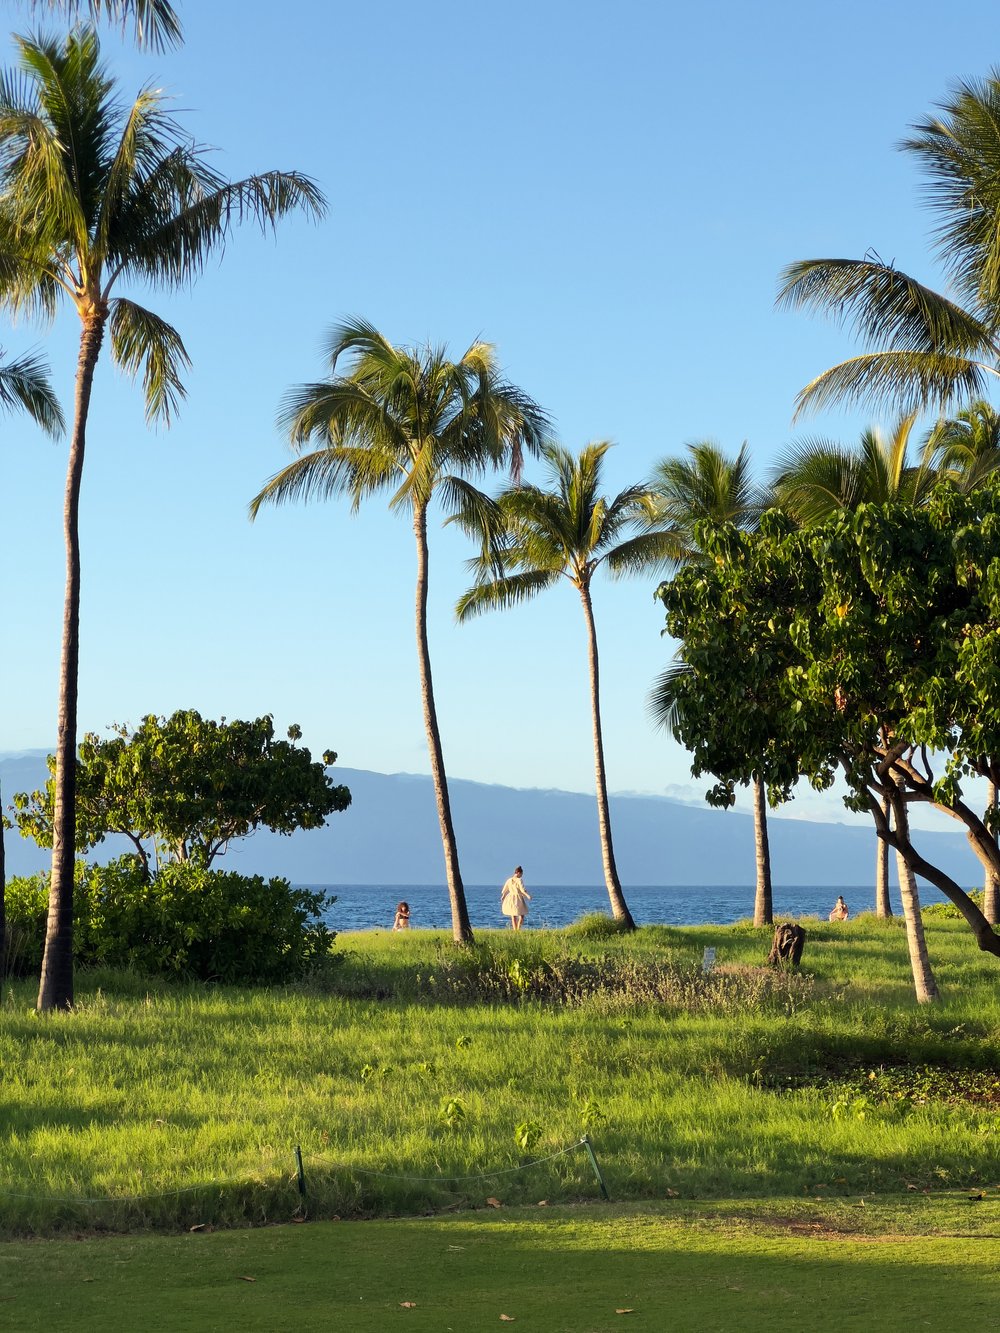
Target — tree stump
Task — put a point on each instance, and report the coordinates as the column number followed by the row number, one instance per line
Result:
column 786, row 950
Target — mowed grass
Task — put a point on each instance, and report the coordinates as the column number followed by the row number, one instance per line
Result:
column 155, row 1106
column 788, row 1267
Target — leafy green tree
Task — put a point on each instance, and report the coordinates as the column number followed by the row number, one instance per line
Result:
column 813, row 481
column 533, row 538
column 966, row 449
column 709, row 485
column 870, row 643
column 24, row 383
column 411, row 424
column 190, row 785
column 95, row 193
column 928, row 349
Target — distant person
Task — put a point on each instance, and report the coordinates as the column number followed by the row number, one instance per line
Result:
column 402, row 921
column 840, row 912
column 514, row 899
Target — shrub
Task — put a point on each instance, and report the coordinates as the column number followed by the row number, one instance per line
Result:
column 596, row 926
column 948, row 911
column 185, row 921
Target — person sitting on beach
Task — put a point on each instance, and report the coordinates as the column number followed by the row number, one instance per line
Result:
column 402, row 921
column 840, row 912
column 514, row 899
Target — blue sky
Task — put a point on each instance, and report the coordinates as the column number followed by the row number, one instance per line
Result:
column 608, row 195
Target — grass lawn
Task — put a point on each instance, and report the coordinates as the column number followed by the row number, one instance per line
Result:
column 782, row 1152
column 781, row 1265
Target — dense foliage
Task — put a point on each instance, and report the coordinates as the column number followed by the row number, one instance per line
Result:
column 183, row 921
column 190, row 784
column 868, row 645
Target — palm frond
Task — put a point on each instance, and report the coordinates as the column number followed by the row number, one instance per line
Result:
column 25, row 383
column 141, row 340
column 155, row 22
column 645, row 553
column 501, row 593
column 663, row 703
column 176, row 250
column 890, row 310
column 323, row 473
column 905, row 380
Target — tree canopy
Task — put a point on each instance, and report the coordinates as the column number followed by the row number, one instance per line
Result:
column 190, row 784
column 868, row 644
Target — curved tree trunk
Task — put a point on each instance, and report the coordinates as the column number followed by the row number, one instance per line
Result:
column 762, row 910
column 920, row 964
column 619, row 907
column 883, row 907
column 55, row 989
column 461, row 926
column 991, row 885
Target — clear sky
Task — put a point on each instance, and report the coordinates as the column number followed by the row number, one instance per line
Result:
column 605, row 193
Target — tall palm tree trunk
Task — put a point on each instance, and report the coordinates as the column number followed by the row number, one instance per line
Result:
column 991, row 886
column 763, row 914
column 920, row 964
column 883, row 907
column 55, row 989
column 461, row 927
column 619, row 907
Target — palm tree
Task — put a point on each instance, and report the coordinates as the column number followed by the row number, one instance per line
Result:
column 965, row 447
column 94, row 193
column 409, row 423
column 928, row 350
column 533, row 538
column 707, row 485
column 24, row 383
column 815, row 478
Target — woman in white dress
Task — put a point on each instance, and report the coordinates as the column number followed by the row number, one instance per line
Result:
column 514, row 899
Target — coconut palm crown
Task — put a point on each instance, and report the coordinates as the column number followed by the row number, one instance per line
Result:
column 96, row 193
column 408, row 423
column 534, row 538
column 928, row 350
column 815, row 478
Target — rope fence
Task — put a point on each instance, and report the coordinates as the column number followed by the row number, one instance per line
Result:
column 300, row 1179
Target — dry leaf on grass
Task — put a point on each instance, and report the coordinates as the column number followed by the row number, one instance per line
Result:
column 626, row 1309
column 408, row 1305
column 244, row 1278
column 507, row 1318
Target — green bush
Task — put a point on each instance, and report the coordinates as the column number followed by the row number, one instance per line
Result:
column 948, row 911
column 186, row 921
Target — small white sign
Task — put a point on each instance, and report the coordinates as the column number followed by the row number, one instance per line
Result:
column 708, row 960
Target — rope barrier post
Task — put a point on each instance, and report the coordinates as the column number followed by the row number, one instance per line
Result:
column 585, row 1141
column 300, row 1173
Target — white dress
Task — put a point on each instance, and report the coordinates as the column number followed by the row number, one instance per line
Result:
column 514, row 898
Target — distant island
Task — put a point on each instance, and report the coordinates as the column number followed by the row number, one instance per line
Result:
column 390, row 836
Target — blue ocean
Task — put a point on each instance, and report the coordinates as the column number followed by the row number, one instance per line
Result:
column 365, row 906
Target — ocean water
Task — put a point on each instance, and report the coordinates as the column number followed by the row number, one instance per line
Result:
column 364, row 906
